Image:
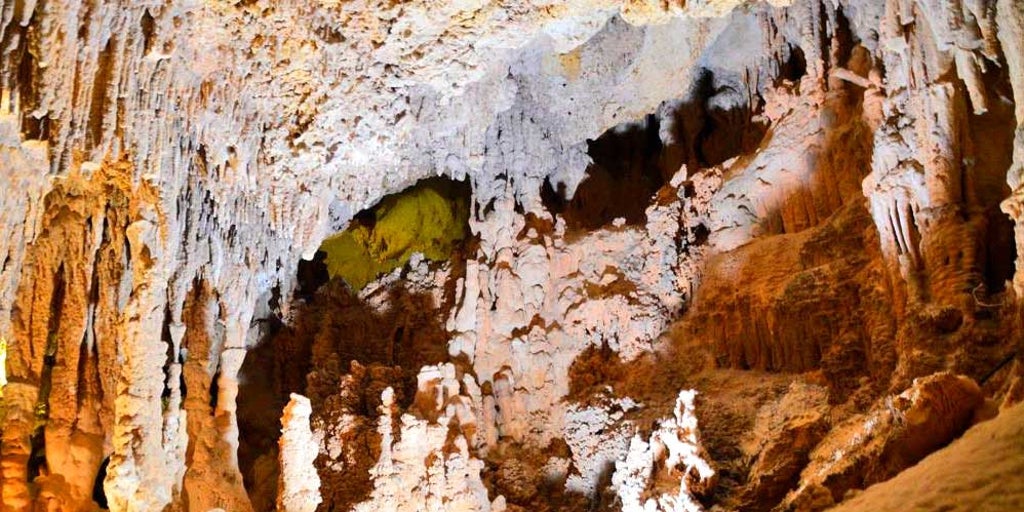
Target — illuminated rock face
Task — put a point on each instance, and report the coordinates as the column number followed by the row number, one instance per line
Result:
column 430, row 218
column 834, row 212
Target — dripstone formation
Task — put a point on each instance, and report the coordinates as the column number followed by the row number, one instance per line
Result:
column 718, row 255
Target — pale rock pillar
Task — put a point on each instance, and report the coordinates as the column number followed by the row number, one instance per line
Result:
column 139, row 477
column 299, row 484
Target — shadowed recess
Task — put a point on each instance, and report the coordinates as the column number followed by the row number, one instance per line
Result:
column 621, row 181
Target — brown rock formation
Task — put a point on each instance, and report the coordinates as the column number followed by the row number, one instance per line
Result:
column 894, row 435
column 809, row 212
column 973, row 473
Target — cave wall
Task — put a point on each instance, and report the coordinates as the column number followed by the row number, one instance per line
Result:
column 165, row 167
column 204, row 147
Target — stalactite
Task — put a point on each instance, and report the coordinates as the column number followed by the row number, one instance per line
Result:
column 773, row 203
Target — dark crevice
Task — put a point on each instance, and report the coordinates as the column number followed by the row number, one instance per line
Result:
column 632, row 161
column 312, row 275
column 983, row 183
column 554, row 200
column 518, row 208
column 182, row 386
column 165, row 336
column 200, row 162
column 262, row 396
column 716, row 121
column 83, row 371
column 37, row 456
column 699, row 234
column 94, row 301
column 126, row 255
column 99, row 494
column 100, row 88
column 728, row 129
column 1000, row 252
column 620, row 183
column 275, row 299
column 487, row 209
column 824, row 43
column 214, row 392
column 794, row 67
column 148, row 25
column 844, row 38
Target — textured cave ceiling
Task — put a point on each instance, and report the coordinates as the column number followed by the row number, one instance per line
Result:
column 594, row 255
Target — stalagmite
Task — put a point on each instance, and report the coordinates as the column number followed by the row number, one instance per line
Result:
column 299, row 488
column 674, row 444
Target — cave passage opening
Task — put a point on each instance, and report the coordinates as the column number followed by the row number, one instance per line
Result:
column 99, row 493
column 719, row 119
column 984, row 184
column 624, row 176
column 337, row 319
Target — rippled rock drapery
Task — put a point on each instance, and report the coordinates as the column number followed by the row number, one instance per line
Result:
column 834, row 176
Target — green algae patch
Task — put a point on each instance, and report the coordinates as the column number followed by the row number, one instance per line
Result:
column 432, row 218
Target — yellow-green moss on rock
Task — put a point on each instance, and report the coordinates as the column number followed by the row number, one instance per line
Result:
column 430, row 218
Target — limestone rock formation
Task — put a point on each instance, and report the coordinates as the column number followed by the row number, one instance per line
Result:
column 426, row 469
column 891, row 437
column 809, row 212
column 974, row 472
column 780, row 444
column 299, row 489
column 673, row 453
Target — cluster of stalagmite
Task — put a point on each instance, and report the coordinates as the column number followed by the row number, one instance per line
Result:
column 809, row 212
